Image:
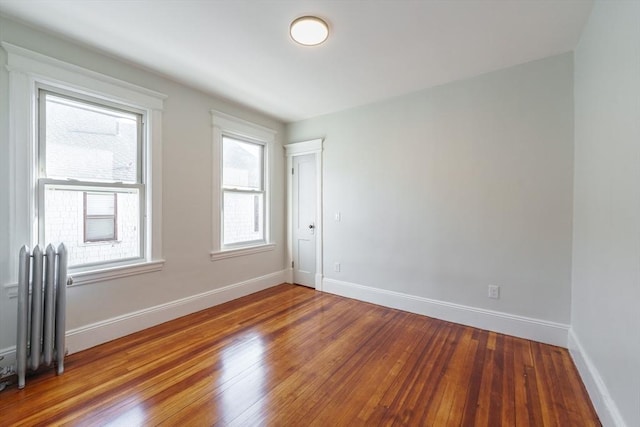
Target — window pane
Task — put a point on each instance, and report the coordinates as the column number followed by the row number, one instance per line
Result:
column 242, row 164
column 100, row 229
column 100, row 204
column 90, row 143
column 64, row 222
column 243, row 217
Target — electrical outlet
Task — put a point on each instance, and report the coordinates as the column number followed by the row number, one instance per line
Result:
column 336, row 267
column 338, row 216
column 494, row 292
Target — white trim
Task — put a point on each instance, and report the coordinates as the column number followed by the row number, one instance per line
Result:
column 604, row 405
column 290, row 275
column 97, row 333
column 153, row 210
column 27, row 71
column 22, row 190
column 304, row 147
column 93, row 276
column 88, row 336
column 230, row 253
column 224, row 123
column 7, row 359
column 520, row 326
column 319, row 210
column 313, row 146
column 6, row 353
column 242, row 127
column 86, row 277
column 44, row 67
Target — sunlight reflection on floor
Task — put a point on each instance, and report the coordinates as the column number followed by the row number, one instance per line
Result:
column 134, row 417
column 243, row 375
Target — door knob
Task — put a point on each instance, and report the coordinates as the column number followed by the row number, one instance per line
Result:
column 312, row 226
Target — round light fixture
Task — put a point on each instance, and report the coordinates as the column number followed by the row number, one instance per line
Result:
column 309, row 30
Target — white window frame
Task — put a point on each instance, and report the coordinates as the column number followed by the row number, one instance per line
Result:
column 45, row 181
column 234, row 127
column 28, row 72
column 231, row 189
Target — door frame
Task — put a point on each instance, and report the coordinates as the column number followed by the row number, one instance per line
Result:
column 292, row 150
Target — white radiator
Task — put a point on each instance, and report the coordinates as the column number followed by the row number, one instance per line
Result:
column 42, row 282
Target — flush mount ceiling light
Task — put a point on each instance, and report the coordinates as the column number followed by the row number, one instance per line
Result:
column 309, row 30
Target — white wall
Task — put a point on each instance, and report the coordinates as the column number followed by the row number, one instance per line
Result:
column 606, row 260
column 446, row 191
column 187, row 199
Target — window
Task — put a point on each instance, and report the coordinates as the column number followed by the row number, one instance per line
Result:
column 88, row 133
column 241, row 212
column 90, row 180
column 243, row 192
column 100, row 217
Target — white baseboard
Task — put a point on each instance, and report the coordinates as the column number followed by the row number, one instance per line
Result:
column 7, row 360
column 505, row 323
column 100, row 332
column 605, row 406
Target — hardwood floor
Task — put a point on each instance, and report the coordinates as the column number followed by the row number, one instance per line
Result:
column 290, row 356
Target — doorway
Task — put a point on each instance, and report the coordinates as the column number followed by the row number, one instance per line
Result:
column 304, row 195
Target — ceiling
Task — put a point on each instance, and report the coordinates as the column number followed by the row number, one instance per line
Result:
column 241, row 50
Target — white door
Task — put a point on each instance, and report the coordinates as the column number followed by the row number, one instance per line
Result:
column 304, row 219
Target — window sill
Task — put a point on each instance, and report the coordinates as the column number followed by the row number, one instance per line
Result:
column 86, row 277
column 93, row 276
column 230, row 253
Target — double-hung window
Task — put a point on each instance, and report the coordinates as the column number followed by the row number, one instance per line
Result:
column 90, row 181
column 243, row 192
column 241, row 213
column 86, row 150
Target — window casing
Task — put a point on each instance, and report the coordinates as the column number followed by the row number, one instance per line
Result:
column 241, row 211
column 243, row 192
column 29, row 187
column 90, row 151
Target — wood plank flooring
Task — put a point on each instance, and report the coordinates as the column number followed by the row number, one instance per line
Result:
column 290, row 356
